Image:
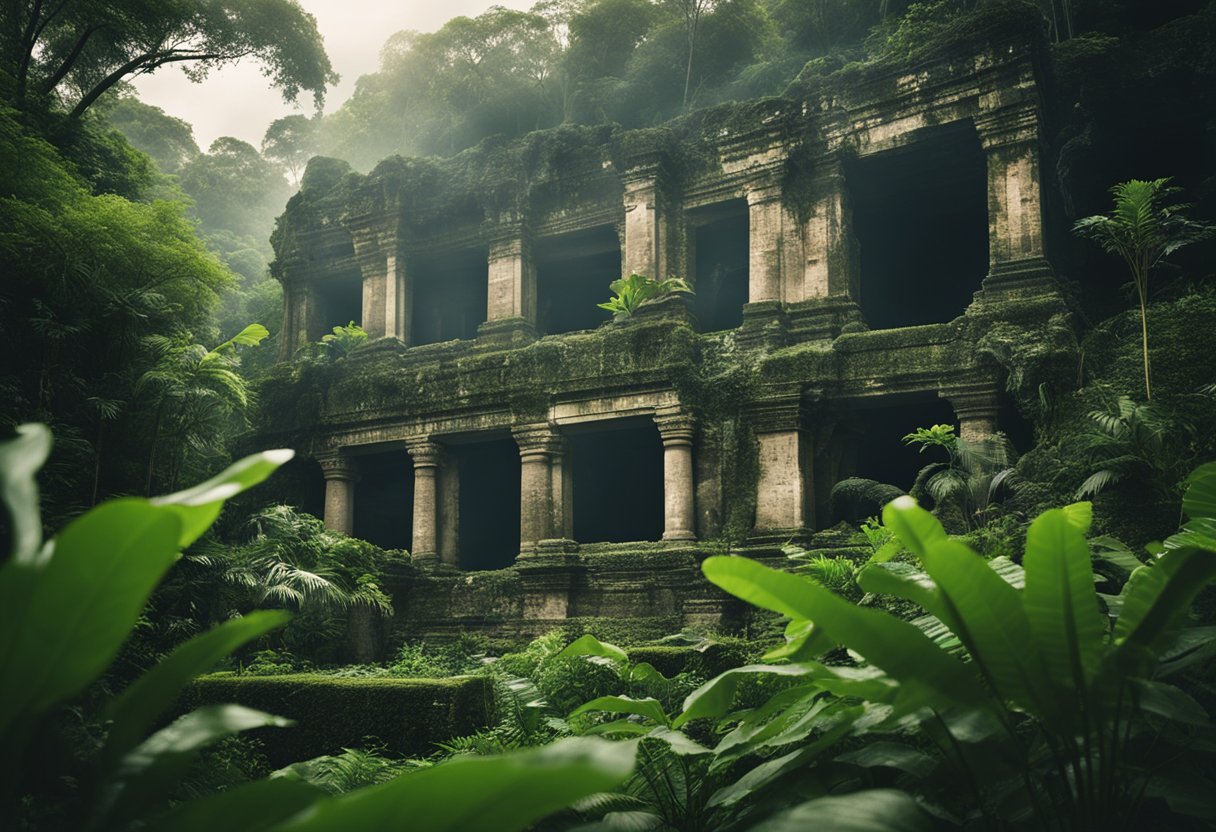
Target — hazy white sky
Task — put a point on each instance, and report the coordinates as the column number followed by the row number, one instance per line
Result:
column 237, row 101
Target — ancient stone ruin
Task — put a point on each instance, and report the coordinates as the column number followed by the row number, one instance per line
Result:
column 869, row 256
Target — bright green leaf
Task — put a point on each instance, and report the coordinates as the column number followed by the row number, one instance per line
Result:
column 877, row 810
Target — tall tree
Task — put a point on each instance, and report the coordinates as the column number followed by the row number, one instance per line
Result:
column 291, row 141
column 691, row 11
column 76, row 50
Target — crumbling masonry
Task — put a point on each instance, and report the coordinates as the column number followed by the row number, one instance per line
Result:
column 864, row 253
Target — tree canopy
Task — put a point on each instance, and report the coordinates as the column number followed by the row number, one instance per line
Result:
column 76, row 50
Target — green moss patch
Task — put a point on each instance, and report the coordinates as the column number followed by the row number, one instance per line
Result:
column 407, row 716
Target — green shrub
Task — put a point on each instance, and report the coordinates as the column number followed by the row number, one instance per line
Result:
column 331, row 713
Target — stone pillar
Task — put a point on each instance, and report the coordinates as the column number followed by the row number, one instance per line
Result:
column 386, row 295
column 832, row 254
column 339, row 473
column 511, row 280
column 447, row 484
column 538, row 445
column 976, row 407
column 766, row 237
column 563, row 491
column 784, row 486
column 1010, row 138
column 426, row 456
column 679, row 489
column 645, row 222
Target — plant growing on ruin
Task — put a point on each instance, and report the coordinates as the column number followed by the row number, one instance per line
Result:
column 344, row 339
column 635, row 290
column 1146, row 226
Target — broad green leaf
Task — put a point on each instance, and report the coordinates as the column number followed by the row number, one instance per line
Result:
column 251, row 807
column 1199, row 533
column 1200, row 497
column 82, row 603
column 502, row 793
column 902, row 580
column 1010, row 572
column 138, row 707
column 199, row 506
column 619, row 726
column 636, row 821
column 679, row 743
column 1169, row 702
column 20, row 460
column 148, row 773
column 649, row 707
column 1193, row 645
column 589, row 645
column 714, row 698
column 895, row 646
column 891, row 755
column 646, row 672
column 1155, row 599
column 803, row 642
column 915, row 527
column 765, row 773
column 1080, row 515
column 877, row 810
column 1060, row 601
column 990, row 621
column 768, row 719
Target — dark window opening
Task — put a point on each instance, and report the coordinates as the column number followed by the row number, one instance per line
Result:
column 449, row 296
column 384, row 500
column 489, row 504
column 921, row 217
column 617, row 478
column 572, row 276
column 341, row 302
column 882, row 454
column 720, row 255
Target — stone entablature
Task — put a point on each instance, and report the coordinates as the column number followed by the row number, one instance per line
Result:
column 755, row 462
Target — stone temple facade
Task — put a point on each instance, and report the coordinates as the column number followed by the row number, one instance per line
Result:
column 867, row 258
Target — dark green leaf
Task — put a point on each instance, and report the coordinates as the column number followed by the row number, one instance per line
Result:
column 252, row 807
column 649, row 707
column 891, row 755
column 589, row 645
column 81, row 604
column 504, row 793
column 878, row 810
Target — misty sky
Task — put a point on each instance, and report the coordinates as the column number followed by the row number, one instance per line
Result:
column 236, row 101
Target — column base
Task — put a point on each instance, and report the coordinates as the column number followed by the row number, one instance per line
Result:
column 776, row 538
column 506, row 332
column 1017, row 279
column 823, row 318
column 679, row 535
column 426, row 561
column 764, row 325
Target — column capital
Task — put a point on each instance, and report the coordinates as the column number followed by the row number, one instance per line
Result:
column 336, row 465
column 424, row 451
column 1007, row 127
column 972, row 401
column 539, row 439
column 763, row 190
column 779, row 410
column 675, row 425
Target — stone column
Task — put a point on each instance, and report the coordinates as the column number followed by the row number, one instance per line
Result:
column 447, row 484
column 766, row 237
column 1010, row 138
column 785, row 482
column 563, row 491
column 511, row 288
column 832, row 254
column 426, row 455
column 645, row 222
column 386, row 298
column 339, row 473
column 679, row 490
column 976, row 407
column 538, row 444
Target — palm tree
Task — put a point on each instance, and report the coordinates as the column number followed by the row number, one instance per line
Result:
column 1146, row 226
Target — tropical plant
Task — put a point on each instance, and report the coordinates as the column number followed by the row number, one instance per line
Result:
column 970, row 478
column 101, row 569
column 633, row 291
column 1046, row 702
column 1146, row 226
column 1128, row 440
column 193, row 392
column 344, row 339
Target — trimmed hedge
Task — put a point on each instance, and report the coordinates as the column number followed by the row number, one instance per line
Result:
column 407, row 716
column 668, row 660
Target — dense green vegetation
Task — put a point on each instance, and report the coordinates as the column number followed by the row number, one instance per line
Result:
column 1014, row 659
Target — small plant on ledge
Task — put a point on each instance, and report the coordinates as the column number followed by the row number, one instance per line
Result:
column 633, row 291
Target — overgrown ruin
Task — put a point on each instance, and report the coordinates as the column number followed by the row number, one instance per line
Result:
column 541, row 461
